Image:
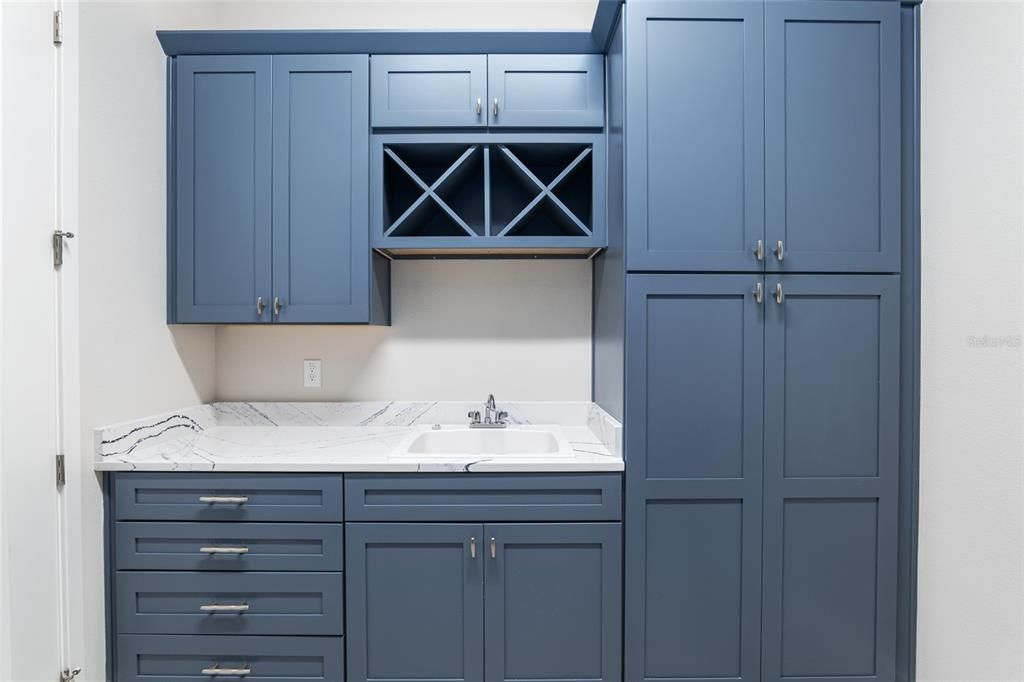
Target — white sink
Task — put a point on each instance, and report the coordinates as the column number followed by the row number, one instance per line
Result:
column 514, row 441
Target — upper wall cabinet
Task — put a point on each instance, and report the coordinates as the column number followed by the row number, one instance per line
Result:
column 721, row 176
column 472, row 91
column 694, row 136
column 832, row 127
column 549, row 91
column 270, row 199
column 222, row 180
column 429, row 91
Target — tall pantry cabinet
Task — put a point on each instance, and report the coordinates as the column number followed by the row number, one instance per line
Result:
column 761, row 232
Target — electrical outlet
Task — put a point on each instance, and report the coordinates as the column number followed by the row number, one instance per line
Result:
column 311, row 373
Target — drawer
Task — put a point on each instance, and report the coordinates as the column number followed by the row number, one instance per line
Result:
column 228, row 546
column 474, row 497
column 176, row 658
column 152, row 602
column 227, row 497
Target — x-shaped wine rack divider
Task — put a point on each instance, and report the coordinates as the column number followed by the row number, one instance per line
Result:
column 431, row 191
column 546, row 190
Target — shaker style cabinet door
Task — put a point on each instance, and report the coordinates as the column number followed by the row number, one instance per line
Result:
column 695, row 137
column 321, row 258
column 553, row 594
column 415, row 602
column 545, row 91
column 428, row 91
column 832, row 131
column 831, row 465
column 221, row 260
column 694, row 403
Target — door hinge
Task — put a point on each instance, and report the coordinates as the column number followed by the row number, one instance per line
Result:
column 58, row 27
column 58, row 246
column 62, row 475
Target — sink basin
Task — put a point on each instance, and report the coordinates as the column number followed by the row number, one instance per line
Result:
column 521, row 442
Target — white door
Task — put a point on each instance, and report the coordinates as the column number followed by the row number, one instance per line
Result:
column 32, row 592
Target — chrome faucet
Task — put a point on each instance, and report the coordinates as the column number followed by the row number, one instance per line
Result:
column 493, row 417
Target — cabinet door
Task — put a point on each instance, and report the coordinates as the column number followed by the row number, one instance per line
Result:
column 321, row 189
column 831, row 470
column 832, row 127
column 695, row 135
column 429, row 91
column 222, row 183
column 693, row 477
column 414, row 602
column 545, row 91
column 554, row 601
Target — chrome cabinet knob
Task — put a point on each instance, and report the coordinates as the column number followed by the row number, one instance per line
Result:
column 778, row 292
column 278, row 304
column 479, row 105
column 472, row 548
column 495, row 108
column 779, row 250
column 758, row 293
column 261, row 305
column 759, row 250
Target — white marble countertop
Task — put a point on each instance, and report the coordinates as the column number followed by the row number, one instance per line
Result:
column 351, row 436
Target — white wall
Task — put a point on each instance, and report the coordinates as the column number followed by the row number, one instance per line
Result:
column 526, row 342
column 971, row 582
column 460, row 330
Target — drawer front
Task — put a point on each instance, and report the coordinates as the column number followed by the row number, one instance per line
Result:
column 177, row 658
column 216, row 497
column 228, row 546
column 150, row 602
column 472, row 497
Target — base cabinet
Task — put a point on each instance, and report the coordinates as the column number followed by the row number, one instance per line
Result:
column 762, row 477
column 494, row 602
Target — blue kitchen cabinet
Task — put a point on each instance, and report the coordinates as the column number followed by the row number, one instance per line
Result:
column 222, row 180
column 270, row 220
column 694, row 402
column 763, row 135
column 429, row 91
column 415, row 601
column 832, row 133
column 553, row 602
column 545, row 91
column 500, row 90
column 831, row 476
column 321, row 190
column 694, row 135
column 494, row 602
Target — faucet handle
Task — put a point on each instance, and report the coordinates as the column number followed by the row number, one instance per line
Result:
column 502, row 416
column 474, row 416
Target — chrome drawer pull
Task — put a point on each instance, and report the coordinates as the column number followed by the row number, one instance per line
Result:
column 224, row 550
column 224, row 608
column 223, row 499
column 232, row 672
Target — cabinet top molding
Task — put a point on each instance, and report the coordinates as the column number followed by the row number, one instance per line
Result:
column 315, row 41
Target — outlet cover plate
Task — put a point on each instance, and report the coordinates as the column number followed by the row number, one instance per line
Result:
column 311, row 374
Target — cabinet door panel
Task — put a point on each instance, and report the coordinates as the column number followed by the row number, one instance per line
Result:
column 414, row 599
column 222, row 213
column 428, row 91
column 554, row 601
column 833, row 135
column 695, row 141
column 831, row 477
column 321, row 188
column 693, row 486
column 547, row 91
